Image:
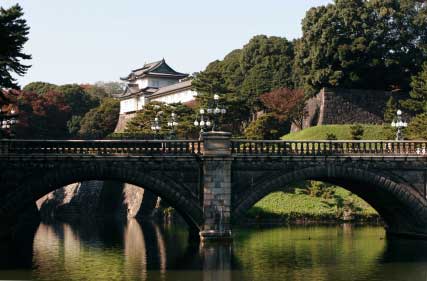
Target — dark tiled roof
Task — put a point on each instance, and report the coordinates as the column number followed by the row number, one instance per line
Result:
column 133, row 90
column 160, row 68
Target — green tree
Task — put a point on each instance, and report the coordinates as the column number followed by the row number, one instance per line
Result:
column 391, row 108
column 273, row 52
column 73, row 125
column 362, row 44
column 13, row 35
column 100, row 121
column 40, row 87
column 263, row 64
column 417, row 102
column 143, row 121
column 320, row 189
column 416, row 129
column 79, row 101
column 266, row 127
column 94, row 91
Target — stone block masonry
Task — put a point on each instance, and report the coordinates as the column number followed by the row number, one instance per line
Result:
column 347, row 106
column 223, row 181
column 216, row 187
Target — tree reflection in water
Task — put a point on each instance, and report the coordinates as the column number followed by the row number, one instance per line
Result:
column 113, row 250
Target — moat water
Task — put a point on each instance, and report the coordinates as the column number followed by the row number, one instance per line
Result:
column 146, row 251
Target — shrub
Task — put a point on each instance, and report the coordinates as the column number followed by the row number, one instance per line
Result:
column 330, row 136
column 357, row 131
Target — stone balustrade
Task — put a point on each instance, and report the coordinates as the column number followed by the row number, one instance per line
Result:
column 101, row 147
column 217, row 147
column 324, row 148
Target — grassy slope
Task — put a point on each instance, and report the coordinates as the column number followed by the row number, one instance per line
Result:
column 292, row 206
column 372, row 132
column 287, row 205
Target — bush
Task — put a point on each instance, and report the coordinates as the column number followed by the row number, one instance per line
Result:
column 331, row 136
column 357, row 132
column 267, row 127
column 320, row 189
column 417, row 127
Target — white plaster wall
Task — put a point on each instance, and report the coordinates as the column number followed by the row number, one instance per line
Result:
column 141, row 102
column 184, row 96
column 155, row 82
column 128, row 105
column 142, row 83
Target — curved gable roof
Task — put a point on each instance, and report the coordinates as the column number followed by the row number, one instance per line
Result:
column 157, row 68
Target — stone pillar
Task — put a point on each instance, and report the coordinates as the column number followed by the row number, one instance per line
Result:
column 216, row 186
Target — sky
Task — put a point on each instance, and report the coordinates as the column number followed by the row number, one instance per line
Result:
column 84, row 41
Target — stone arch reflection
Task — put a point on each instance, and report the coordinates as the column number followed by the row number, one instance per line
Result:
column 130, row 250
column 135, row 249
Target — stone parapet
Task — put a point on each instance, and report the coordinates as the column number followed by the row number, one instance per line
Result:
column 216, row 143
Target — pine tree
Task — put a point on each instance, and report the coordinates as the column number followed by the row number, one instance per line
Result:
column 417, row 103
column 13, row 35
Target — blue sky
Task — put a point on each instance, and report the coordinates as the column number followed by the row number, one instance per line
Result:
column 84, row 41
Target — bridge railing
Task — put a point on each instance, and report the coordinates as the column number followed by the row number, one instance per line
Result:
column 322, row 147
column 101, row 147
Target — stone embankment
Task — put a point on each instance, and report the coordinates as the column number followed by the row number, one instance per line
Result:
column 97, row 199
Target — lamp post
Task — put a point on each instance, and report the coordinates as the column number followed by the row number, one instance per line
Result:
column 172, row 124
column 399, row 124
column 214, row 112
column 155, row 126
column 8, row 119
column 204, row 122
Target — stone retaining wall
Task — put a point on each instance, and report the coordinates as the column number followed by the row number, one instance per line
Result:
column 97, row 198
column 346, row 106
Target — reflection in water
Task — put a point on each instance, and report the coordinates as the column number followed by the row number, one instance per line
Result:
column 134, row 251
column 216, row 261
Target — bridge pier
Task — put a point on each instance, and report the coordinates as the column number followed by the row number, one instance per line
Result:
column 18, row 228
column 216, row 187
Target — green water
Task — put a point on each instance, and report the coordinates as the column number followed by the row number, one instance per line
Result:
column 134, row 251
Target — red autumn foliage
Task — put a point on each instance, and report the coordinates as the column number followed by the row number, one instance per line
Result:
column 8, row 100
column 286, row 104
column 42, row 116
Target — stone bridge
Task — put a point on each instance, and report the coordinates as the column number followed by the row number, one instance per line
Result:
column 214, row 181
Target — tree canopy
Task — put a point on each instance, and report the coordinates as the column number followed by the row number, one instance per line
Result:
column 417, row 101
column 13, row 35
column 265, row 63
column 143, row 121
column 42, row 116
column 286, row 104
column 417, row 127
column 267, row 127
column 100, row 121
column 40, row 87
column 361, row 44
column 63, row 111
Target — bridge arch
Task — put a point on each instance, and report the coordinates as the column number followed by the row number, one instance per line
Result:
column 172, row 191
column 402, row 208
